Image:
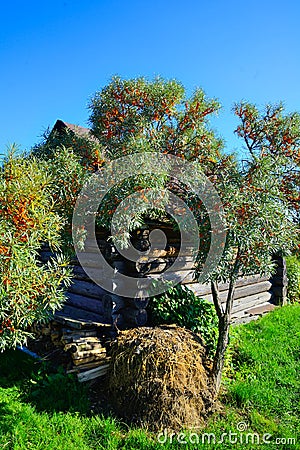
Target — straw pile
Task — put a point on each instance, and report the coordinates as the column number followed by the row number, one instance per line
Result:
column 158, row 378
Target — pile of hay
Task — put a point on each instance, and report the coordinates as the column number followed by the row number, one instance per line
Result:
column 158, row 378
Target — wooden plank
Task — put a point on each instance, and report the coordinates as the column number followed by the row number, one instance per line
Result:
column 244, row 281
column 89, row 359
column 158, row 265
column 248, row 302
column 89, row 353
column 79, row 316
column 201, row 290
column 89, row 260
column 93, row 373
column 246, row 318
column 84, row 302
column 240, row 282
column 261, row 309
column 78, row 339
column 69, row 333
column 75, row 347
column 87, row 289
column 75, row 324
column 243, row 320
column 80, row 274
column 188, row 276
column 84, row 344
column 204, row 289
column 246, row 291
column 171, row 251
column 170, row 275
column 93, row 364
column 243, row 289
column 243, row 312
column 223, row 296
column 171, row 259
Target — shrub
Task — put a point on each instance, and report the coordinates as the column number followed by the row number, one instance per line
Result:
column 180, row 306
column 86, row 148
column 68, row 176
column 29, row 291
column 293, row 272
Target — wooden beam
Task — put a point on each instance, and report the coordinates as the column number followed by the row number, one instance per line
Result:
column 93, row 373
column 87, row 289
column 84, row 302
column 79, row 317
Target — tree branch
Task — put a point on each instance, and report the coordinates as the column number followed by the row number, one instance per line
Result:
column 217, row 300
column 229, row 300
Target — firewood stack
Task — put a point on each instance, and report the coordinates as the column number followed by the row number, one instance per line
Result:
column 82, row 346
column 88, row 355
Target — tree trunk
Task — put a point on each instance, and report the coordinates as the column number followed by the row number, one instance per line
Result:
column 218, row 365
column 224, row 325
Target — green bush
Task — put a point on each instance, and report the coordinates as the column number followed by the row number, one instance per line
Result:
column 293, row 272
column 86, row 149
column 68, row 176
column 180, row 306
column 29, row 291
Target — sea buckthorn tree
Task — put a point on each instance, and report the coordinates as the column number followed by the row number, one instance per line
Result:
column 274, row 133
column 129, row 116
column 140, row 116
column 70, row 157
column 261, row 204
column 29, row 291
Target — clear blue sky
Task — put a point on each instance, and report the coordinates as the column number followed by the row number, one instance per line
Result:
column 55, row 54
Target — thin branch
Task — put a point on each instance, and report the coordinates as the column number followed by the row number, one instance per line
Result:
column 216, row 299
column 229, row 300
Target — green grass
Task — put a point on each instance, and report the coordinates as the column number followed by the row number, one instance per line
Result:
column 41, row 408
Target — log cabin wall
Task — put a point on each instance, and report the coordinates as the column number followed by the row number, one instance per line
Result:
column 88, row 302
column 254, row 295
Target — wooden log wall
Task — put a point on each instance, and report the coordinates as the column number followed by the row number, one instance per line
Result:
column 254, row 295
column 88, row 302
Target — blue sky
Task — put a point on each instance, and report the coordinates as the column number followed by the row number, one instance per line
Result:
column 55, row 54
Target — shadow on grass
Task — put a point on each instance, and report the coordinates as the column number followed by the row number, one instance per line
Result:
column 46, row 388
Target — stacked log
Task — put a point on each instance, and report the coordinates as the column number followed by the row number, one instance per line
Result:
column 82, row 346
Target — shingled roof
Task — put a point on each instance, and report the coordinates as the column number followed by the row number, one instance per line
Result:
column 61, row 126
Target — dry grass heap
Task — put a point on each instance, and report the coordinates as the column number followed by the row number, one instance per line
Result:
column 158, row 378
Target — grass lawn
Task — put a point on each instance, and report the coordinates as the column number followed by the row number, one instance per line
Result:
column 44, row 409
